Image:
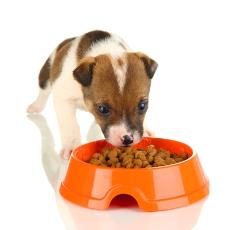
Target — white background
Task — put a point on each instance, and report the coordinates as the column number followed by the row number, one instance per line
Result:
column 189, row 102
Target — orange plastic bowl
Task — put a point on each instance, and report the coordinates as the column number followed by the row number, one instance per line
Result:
column 158, row 188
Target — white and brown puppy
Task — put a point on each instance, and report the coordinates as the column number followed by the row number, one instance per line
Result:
column 98, row 72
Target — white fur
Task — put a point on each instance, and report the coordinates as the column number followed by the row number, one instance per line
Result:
column 38, row 105
column 119, row 39
column 52, row 56
column 120, row 72
column 117, row 132
column 107, row 46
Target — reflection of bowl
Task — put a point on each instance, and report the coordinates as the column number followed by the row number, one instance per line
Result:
column 158, row 188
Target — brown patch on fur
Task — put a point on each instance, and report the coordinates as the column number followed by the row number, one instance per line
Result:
column 61, row 52
column 88, row 39
column 44, row 74
column 68, row 40
column 150, row 64
column 83, row 73
column 120, row 62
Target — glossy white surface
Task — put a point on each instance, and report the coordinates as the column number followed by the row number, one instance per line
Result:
column 123, row 211
column 189, row 102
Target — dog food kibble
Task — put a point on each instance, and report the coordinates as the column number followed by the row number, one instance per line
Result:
column 127, row 157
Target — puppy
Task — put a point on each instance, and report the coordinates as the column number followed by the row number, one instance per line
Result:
column 99, row 73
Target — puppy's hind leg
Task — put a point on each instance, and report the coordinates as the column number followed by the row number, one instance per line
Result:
column 44, row 90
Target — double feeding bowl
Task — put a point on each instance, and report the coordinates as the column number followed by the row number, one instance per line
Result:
column 154, row 189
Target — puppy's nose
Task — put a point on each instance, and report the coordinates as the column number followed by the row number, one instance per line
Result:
column 127, row 139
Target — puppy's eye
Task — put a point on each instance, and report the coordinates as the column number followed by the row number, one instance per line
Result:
column 103, row 109
column 142, row 106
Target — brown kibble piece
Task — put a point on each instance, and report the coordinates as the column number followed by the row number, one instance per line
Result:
column 173, row 155
column 128, row 150
column 129, row 165
column 122, row 156
column 101, row 158
column 96, row 155
column 143, row 157
column 105, row 151
column 148, row 166
column 130, row 156
column 178, row 159
column 184, row 156
column 144, row 163
column 114, row 160
column 112, row 153
column 150, row 148
column 159, row 161
column 126, row 161
column 109, row 162
column 95, row 161
column 153, row 152
column 118, row 165
column 169, row 161
column 127, row 157
column 163, row 154
column 140, row 155
column 118, row 152
column 137, row 162
column 150, row 159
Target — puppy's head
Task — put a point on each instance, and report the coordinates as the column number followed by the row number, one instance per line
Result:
column 116, row 92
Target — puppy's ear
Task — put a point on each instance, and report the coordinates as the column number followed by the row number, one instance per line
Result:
column 84, row 72
column 150, row 64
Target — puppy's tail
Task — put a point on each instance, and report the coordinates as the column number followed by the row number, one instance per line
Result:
column 44, row 89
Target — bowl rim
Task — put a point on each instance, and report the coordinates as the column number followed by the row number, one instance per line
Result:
column 74, row 156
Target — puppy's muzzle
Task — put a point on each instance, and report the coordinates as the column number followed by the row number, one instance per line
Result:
column 127, row 140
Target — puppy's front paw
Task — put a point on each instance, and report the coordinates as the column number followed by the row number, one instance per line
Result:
column 69, row 147
column 35, row 108
column 148, row 133
column 65, row 153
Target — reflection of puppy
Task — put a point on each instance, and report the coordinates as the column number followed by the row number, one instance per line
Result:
column 98, row 72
